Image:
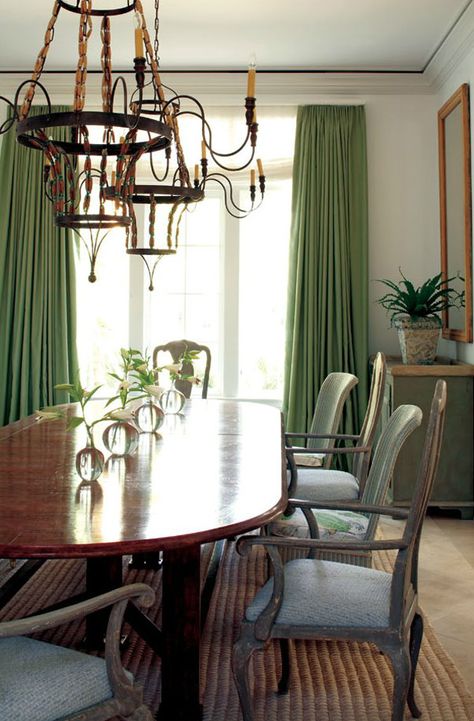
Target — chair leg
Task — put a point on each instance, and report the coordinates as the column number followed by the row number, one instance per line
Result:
column 416, row 636
column 142, row 713
column 400, row 659
column 285, row 666
column 241, row 655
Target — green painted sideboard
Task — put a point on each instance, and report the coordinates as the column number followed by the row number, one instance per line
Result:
column 454, row 483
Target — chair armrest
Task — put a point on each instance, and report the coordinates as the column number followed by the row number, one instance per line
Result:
column 246, row 542
column 327, row 451
column 21, row 626
column 335, row 436
column 394, row 511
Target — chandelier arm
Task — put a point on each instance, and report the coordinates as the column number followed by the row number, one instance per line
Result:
column 39, row 65
column 35, row 83
column 241, row 213
column 90, row 253
column 138, row 105
column 7, row 124
column 206, row 126
column 163, row 177
column 234, row 169
column 151, row 271
column 223, row 180
column 100, row 236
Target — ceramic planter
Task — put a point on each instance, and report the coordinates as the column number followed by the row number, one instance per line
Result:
column 418, row 339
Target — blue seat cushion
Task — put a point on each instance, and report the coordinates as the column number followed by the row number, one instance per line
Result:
column 325, row 593
column 319, row 484
column 44, row 682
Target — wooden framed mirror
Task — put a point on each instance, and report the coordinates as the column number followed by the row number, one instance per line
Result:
column 455, row 209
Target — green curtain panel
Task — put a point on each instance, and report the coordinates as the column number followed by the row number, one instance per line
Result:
column 327, row 320
column 37, row 287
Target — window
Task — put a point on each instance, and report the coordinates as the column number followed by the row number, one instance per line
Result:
column 226, row 286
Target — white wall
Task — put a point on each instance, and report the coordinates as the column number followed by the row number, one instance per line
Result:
column 403, row 200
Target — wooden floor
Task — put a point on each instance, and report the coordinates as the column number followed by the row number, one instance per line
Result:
column 447, row 585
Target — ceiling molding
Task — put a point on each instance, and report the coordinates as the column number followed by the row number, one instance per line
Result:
column 452, row 52
column 229, row 88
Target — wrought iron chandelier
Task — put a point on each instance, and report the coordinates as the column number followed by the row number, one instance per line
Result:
column 85, row 178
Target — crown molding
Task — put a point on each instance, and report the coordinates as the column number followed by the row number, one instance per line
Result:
column 229, row 88
column 452, row 52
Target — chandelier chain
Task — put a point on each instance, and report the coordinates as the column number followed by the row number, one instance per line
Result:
column 106, row 62
column 85, row 30
column 157, row 29
column 40, row 61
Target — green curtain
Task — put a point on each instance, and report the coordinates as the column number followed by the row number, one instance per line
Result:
column 37, row 287
column 327, row 320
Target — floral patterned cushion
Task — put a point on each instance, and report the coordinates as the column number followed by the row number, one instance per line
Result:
column 339, row 524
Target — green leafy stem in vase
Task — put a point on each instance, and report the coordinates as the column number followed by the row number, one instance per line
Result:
column 136, row 379
column 176, row 370
column 82, row 396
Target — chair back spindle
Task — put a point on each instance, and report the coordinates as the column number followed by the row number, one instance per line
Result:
column 176, row 348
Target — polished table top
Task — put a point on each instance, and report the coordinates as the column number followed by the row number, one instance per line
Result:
column 216, row 471
column 212, row 472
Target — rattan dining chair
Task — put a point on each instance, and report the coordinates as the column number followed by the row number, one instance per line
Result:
column 176, row 348
column 313, row 599
column 45, row 682
column 339, row 524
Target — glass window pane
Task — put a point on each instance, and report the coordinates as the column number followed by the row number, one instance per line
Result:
column 185, row 302
column 262, row 304
column 102, row 310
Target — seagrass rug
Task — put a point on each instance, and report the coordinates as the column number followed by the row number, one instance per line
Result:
column 330, row 681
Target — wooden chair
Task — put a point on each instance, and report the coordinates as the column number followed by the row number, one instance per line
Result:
column 340, row 524
column 45, row 682
column 313, row 599
column 327, row 414
column 360, row 452
column 313, row 483
column 176, row 348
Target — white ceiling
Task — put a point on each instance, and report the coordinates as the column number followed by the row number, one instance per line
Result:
column 399, row 35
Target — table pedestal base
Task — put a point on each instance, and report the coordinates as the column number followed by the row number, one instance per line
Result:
column 181, row 635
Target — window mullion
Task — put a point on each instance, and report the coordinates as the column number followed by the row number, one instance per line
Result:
column 137, row 307
column 230, row 316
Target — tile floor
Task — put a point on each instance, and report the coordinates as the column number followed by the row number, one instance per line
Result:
column 446, row 585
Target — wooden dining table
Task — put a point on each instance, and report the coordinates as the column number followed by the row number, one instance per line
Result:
column 214, row 471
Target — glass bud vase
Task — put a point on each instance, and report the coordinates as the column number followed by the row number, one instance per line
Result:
column 89, row 463
column 172, row 400
column 120, row 438
column 149, row 417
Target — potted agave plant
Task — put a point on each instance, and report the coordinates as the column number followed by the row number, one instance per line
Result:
column 415, row 313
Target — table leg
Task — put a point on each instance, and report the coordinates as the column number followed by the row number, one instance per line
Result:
column 102, row 574
column 181, row 635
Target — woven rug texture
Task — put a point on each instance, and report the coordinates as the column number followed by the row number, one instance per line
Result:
column 330, row 681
